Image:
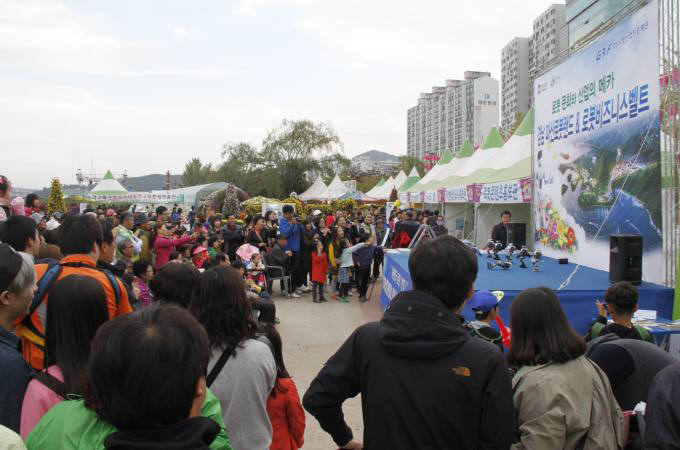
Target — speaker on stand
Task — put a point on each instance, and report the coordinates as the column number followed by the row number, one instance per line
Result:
column 625, row 258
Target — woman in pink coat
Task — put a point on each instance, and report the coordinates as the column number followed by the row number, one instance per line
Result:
column 164, row 244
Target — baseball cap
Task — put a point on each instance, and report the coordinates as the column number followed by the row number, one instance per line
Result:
column 483, row 301
column 141, row 219
column 10, row 265
column 37, row 217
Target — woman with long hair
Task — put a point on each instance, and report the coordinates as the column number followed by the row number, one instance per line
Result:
column 334, row 253
column 76, row 309
column 271, row 225
column 258, row 235
column 562, row 399
column 283, row 405
column 242, row 370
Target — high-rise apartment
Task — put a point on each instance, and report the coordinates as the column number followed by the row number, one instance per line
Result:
column 459, row 110
column 514, row 81
column 549, row 41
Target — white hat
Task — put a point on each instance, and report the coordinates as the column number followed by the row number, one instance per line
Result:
column 52, row 224
column 316, row 212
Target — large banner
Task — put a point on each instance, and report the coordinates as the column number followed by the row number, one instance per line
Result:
column 516, row 191
column 137, row 197
column 596, row 147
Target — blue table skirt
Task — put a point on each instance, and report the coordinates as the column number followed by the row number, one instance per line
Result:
column 578, row 298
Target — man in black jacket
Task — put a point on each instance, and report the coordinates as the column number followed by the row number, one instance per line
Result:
column 424, row 381
column 500, row 231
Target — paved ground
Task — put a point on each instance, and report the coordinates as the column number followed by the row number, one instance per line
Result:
column 311, row 334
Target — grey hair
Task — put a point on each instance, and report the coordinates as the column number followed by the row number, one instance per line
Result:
column 125, row 242
column 26, row 276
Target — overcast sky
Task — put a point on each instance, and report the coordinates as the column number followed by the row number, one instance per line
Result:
column 144, row 86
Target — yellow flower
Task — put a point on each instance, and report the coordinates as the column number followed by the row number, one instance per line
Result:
column 560, row 228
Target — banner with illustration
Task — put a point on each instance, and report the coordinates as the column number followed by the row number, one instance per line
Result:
column 516, row 191
column 596, row 147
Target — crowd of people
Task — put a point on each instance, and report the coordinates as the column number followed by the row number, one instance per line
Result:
column 142, row 331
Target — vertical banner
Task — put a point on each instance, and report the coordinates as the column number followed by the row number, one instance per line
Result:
column 596, row 147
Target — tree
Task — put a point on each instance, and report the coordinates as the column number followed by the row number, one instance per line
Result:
column 332, row 164
column 246, row 167
column 196, row 173
column 518, row 120
column 407, row 162
column 293, row 148
column 55, row 202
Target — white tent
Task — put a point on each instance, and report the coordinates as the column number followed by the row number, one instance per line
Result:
column 335, row 190
column 399, row 179
column 192, row 195
column 383, row 193
column 108, row 186
column 315, row 191
column 376, row 192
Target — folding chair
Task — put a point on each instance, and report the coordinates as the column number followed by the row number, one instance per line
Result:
column 273, row 273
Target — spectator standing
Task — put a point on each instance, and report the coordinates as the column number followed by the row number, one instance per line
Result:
column 143, row 226
column 662, row 414
column 143, row 272
column 21, row 233
column 80, row 237
column 233, row 236
column 319, row 272
column 281, row 256
column 451, row 390
column 562, row 399
column 346, row 263
column 258, row 236
column 166, row 243
column 283, row 405
column 126, row 403
column 76, row 310
column 124, row 232
column 32, row 204
column 241, row 371
column 364, row 260
column 307, row 247
column 5, row 202
column 17, row 287
column 288, row 226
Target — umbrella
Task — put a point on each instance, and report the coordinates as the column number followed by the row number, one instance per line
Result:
column 246, row 251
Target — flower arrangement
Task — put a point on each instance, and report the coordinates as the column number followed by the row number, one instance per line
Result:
column 554, row 231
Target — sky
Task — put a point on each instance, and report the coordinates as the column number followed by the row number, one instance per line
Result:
column 145, row 86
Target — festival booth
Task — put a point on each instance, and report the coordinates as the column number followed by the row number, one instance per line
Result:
column 384, row 191
column 335, row 189
column 190, row 195
column 107, row 186
column 596, row 171
column 315, row 191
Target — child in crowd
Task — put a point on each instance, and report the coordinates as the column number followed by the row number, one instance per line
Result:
column 283, row 405
column 256, row 270
column 199, row 255
column 485, row 306
column 143, row 272
column 319, row 272
column 345, row 264
column 364, row 259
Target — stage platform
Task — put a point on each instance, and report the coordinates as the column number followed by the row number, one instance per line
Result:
column 578, row 298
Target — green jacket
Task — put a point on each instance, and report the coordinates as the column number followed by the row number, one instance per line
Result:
column 70, row 425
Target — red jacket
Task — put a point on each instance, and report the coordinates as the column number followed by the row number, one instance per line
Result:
column 286, row 415
column 319, row 267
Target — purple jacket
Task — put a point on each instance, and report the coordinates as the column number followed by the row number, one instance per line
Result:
column 364, row 256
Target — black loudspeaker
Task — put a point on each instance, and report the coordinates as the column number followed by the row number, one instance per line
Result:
column 625, row 258
column 517, row 234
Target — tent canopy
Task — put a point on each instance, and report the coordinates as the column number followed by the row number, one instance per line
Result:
column 108, row 186
column 413, row 178
column 399, row 179
column 383, row 192
column 444, row 167
column 194, row 194
column 315, row 191
column 335, row 189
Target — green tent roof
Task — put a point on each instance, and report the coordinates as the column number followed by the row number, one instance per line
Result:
column 381, row 182
column 466, row 150
column 493, row 140
column 446, row 157
column 108, row 176
column 527, row 125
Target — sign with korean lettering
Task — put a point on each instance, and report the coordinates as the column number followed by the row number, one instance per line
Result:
column 596, row 147
column 138, row 197
column 506, row 192
column 456, row 195
column 431, row 197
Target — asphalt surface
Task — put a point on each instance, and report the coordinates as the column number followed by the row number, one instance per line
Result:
column 311, row 334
